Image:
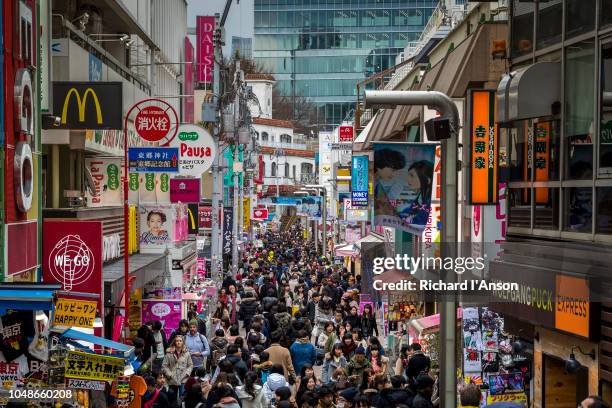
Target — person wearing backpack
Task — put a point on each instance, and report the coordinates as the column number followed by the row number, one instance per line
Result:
column 197, row 345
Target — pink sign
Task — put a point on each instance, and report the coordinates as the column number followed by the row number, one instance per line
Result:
column 168, row 312
column 185, row 190
column 205, row 28
column 188, row 103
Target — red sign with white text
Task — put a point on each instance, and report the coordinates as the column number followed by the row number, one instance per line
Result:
column 205, row 216
column 72, row 256
column 152, row 123
column 260, row 213
column 205, row 49
column 346, row 133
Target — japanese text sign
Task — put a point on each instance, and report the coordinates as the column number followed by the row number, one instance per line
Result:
column 346, row 133
column 483, row 148
column 8, row 375
column 541, row 160
column 205, row 216
column 359, row 181
column 89, row 366
column 228, row 235
column 71, row 312
column 153, row 159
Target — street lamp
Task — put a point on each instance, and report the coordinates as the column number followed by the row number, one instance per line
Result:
column 448, row 213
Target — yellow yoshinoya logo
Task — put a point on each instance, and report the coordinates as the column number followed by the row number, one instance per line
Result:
column 81, row 104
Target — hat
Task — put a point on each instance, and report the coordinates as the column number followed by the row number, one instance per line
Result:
column 360, row 350
column 349, row 394
column 423, row 381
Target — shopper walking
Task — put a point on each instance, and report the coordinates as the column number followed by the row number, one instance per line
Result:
column 197, row 345
column 177, row 365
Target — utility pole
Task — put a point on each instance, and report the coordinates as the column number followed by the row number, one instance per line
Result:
column 448, row 214
column 237, row 164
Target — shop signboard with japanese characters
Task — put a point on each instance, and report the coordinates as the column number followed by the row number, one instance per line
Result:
column 483, row 148
column 153, row 159
column 205, row 216
column 541, row 160
column 168, row 312
column 74, row 313
column 196, row 148
column 359, row 181
column 228, row 220
column 89, row 366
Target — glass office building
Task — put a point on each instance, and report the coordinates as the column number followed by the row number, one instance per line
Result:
column 321, row 49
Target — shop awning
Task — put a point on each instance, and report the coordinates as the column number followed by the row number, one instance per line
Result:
column 73, row 334
column 372, row 237
column 431, row 324
column 143, row 268
column 34, row 296
column 346, row 250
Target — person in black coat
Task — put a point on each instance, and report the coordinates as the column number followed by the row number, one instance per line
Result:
column 424, row 387
column 234, row 356
column 418, row 363
column 311, row 306
column 354, row 319
column 158, row 398
column 248, row 309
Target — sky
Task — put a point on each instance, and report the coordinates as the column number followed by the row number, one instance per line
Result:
column 239, row 21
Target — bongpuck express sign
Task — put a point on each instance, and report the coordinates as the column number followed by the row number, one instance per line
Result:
column 197, row 150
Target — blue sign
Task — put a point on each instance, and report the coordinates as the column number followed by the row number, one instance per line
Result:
column 153, row 159
column 95, row 68
column 359, row 181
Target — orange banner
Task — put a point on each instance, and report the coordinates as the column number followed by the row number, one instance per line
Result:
column 483, row 148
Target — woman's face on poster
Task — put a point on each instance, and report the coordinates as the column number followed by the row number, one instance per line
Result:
column 155, row 224
column 413, row 181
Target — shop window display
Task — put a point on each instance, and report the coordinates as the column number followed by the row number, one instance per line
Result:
column 605, row 119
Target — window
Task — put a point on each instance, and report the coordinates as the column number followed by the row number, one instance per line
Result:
column 306, row 168
column 25, row 34
column 285, row 138
column 519, row 207
column 604, row 210
column 579, row 93
column 263, row 169
column 605, row 12
column 519, row 136
column 546, row 214
column 605, row 131
column 264, row 136
column 522, row 27
column 579, row 17
column 257, row 135
column 286, row 170
column 579, row 209
column 273, row 173
column 294, row 172
column 549, row 23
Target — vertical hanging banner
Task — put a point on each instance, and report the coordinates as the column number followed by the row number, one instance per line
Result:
column 205, row 49
column 359, row 181
column 541, row 160
column 483, row 149
column 228, row 234
column 246, row 213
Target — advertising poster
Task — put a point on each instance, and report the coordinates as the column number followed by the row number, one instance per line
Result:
column 151, row 188
column 72, row 256
column 161, row 225
column 168, row 312
column 430, row 238
column 310, row 207
column 403, row 178
column 106, row 173
column 89, row 366
column 228, row 220
column 185, row 190
column 359, row 181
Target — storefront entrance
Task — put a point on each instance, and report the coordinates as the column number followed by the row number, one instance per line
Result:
column 561, row 389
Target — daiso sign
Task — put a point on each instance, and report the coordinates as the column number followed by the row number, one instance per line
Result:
column 197, row 150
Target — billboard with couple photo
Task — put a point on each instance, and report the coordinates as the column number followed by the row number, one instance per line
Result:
column 403, row 176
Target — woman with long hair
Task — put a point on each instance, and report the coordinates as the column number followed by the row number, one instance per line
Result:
column 378, row 362
column 221, row 312
column 327, row 338
column 348, row 346
column 251, row 395
column 358, row 338
column 306, row 384
column 177, row 364
column 353, row 318
column 369, row 326
column 402, row 361
column 234, row 303
column 333, row 360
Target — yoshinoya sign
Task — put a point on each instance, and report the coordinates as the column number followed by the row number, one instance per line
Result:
column 197, row 150
column 88, row 105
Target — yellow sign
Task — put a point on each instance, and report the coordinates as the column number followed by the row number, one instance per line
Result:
column 246, row 213
column 81, row 105
column 88, row 366
column 72, row 312
column 520, row 398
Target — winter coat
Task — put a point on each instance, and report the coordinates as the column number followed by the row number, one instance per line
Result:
column 420, row 401
column 384, row 365
column 369, row 327
column 240, row 367
column 323, row 316
column 263, row 370
column 310, row 310
column 391, row 397
column 283, row 321
column 249, row 401
column 330, row 366
column 356, row 369
column 280, row 355
column 417, row 364
column 177, row 369
column 302, row 353
column 275, row 381
column 248, row 309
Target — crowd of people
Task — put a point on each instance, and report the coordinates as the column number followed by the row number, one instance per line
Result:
column 286, row 332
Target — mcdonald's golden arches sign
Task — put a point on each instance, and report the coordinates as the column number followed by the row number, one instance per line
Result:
column 88, row 105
